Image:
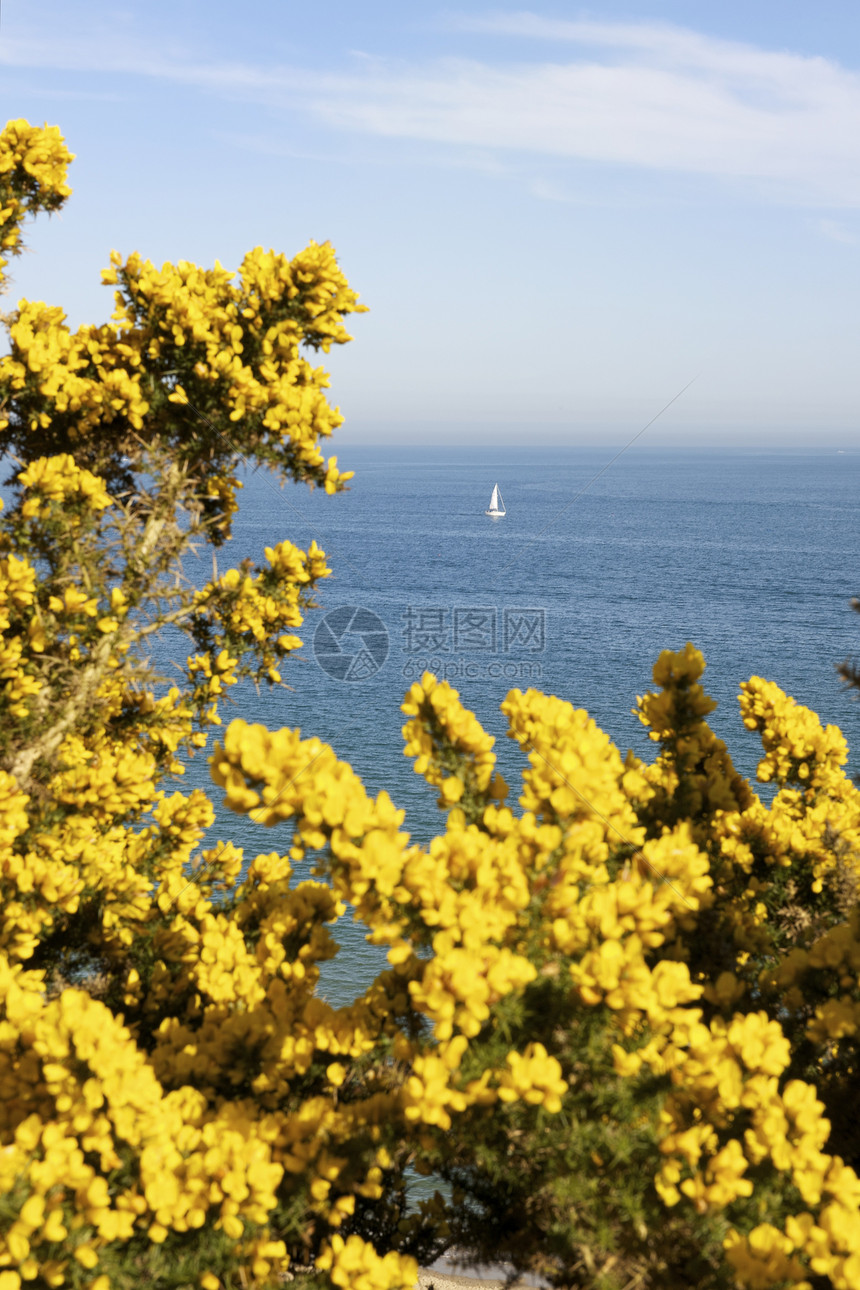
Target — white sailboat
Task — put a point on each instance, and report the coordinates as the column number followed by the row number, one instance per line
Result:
column 497, row 506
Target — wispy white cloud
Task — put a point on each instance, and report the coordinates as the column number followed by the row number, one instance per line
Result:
column 642, row 95
column 272, row 145
column 836, row 232
column 546, row 191
column 663, row 42
column 50, row 93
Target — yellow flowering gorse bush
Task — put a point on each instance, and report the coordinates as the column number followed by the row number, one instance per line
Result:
column 620, row 1015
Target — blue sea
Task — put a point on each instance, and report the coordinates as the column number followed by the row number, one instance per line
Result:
column 593, row 571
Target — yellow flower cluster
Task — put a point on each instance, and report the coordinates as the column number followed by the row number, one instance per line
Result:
column 243, row 339
column 59, row 479
column 80, row 1102
column 82, row 378
column 819, row 986
column 251, row 609
column 830, row 1248
column 278, row 776
column 693, row 777
column 574, row 775
column 20, row 631
column 450, row 748
column 33, row 166
column 797, row 748
column 354, row 1265
column 190, row 337
column 535, row 1077
column 728, row 1112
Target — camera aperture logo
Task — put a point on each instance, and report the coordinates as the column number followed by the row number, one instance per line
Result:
column 351, row 643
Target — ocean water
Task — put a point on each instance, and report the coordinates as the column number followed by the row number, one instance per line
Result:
column 576, row 591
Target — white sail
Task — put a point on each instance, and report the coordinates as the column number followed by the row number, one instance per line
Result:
column 497, row 506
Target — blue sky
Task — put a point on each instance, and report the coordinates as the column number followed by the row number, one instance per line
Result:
column 558, row 216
